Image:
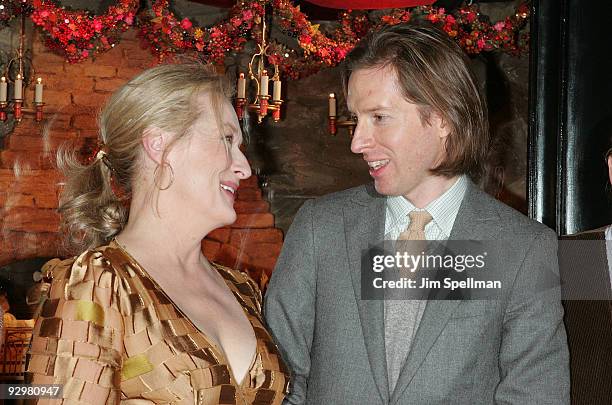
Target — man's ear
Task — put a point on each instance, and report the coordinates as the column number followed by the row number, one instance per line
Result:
column 154, row 143
column 437, row 121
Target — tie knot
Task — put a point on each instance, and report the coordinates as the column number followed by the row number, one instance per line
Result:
column 418, row 220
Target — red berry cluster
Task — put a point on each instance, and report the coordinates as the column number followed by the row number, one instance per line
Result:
column 169, row 35
column 79, row 34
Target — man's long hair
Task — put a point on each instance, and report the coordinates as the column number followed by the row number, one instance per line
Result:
column 434, row 73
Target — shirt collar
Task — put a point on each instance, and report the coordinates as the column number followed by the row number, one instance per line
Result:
column 443, row 209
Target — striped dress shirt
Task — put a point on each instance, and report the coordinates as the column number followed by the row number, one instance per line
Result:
column 402, row 317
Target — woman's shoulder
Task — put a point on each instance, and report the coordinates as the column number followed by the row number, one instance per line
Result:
column 95, row 268
column 57, row 268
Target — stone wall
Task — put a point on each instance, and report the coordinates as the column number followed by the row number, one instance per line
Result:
column 29, row 183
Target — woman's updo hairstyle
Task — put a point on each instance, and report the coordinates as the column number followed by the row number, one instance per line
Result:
column 94, row 202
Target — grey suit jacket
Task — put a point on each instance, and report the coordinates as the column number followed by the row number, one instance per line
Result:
column 510, row 351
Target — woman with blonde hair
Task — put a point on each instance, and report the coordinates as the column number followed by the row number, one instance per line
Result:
column 140, row 316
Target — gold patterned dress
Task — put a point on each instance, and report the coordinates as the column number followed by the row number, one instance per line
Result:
column 110, row 335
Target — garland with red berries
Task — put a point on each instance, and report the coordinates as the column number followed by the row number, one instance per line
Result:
column 170, row 35
column 79, row 34
column 473, row 32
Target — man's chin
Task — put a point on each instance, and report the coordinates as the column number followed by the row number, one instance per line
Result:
column 385, row 189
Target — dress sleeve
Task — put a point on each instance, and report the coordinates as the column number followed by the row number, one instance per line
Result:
column 78, row 338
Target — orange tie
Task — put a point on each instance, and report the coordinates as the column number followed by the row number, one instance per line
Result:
column 416, row 229
column 414, row 232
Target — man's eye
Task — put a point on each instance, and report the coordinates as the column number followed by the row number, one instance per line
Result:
column 229, row 138
column 354, row 118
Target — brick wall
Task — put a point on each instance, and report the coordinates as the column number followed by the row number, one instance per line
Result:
column 74, row 95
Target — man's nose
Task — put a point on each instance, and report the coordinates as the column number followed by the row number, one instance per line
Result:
column 362, row 139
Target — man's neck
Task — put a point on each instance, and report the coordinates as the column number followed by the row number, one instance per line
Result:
column 429, row 190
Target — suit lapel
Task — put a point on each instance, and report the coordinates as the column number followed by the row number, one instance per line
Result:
column 476, row 220
column 364, row 222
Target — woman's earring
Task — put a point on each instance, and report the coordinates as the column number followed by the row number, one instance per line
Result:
column 157, row 176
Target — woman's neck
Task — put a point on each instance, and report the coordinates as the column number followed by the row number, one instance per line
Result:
column 151, row 239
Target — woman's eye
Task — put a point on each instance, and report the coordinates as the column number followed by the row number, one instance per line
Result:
column 379, row 118
column 229, row 139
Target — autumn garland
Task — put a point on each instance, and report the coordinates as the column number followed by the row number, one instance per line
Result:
column 79, row 34
column 169, row 35
column 472, row 31
column 476, row 34
column 319, row 50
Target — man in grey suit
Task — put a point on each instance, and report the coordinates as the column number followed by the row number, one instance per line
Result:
column 422, row 129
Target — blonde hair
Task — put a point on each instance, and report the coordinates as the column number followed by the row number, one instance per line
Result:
column 94, row 202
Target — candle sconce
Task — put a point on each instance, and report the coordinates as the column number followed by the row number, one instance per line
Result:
column 17, row 75
column 261, row 104
column 20, row 77
column 334, row 122
column 17, row 102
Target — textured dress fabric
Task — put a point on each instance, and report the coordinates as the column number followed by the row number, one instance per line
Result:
column 110, row 335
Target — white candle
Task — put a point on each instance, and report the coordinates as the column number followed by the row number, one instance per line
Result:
column 39, row 91
column 332, row 105
column 276, row 90
column 241, row 86
column 18, row 92
column 3, row 90
column 263, row 91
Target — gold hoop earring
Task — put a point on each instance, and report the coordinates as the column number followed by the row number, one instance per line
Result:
column 156, row 176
